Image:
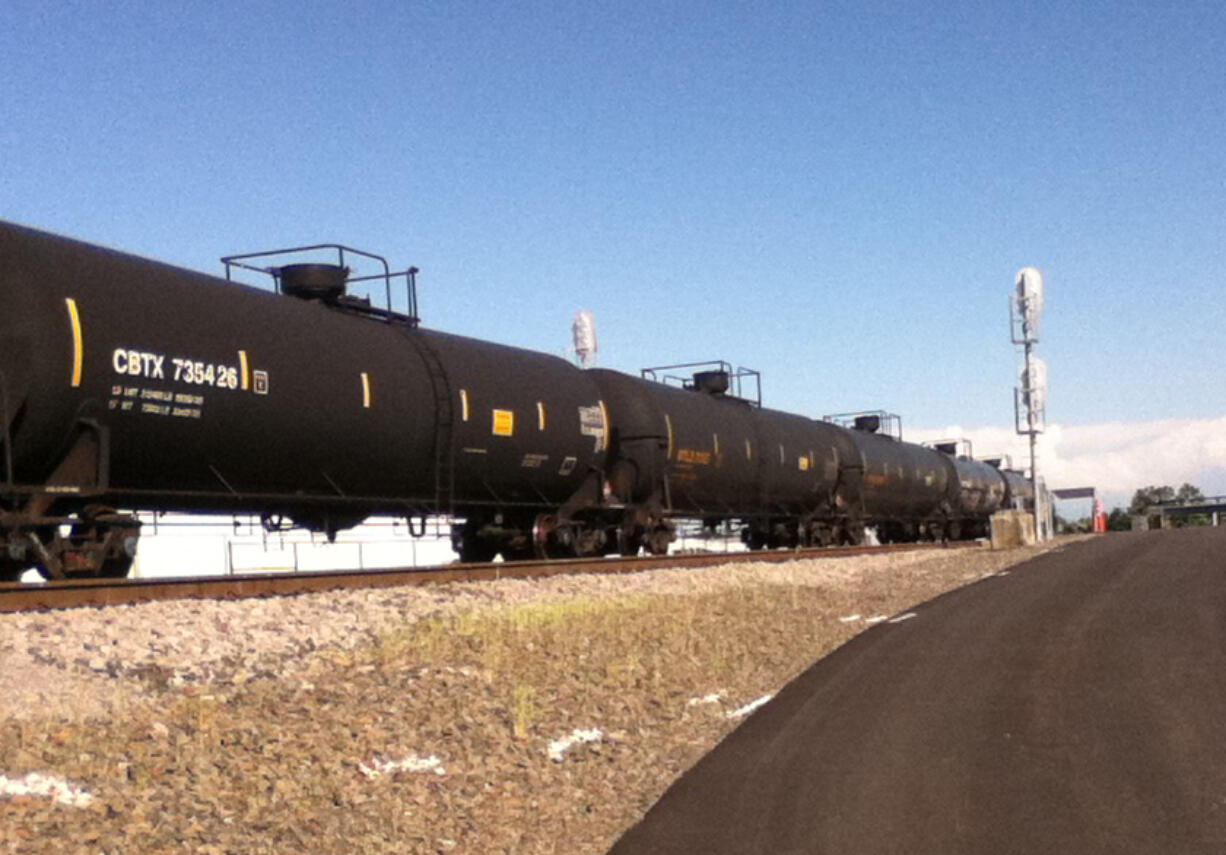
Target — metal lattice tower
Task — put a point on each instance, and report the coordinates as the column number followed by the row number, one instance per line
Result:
column 1030, row 395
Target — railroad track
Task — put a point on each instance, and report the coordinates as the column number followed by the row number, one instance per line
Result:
column 77, row 593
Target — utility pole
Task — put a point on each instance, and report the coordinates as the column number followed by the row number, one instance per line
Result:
column 1030, row 395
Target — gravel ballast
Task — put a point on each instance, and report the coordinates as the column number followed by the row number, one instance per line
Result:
column 513, row 716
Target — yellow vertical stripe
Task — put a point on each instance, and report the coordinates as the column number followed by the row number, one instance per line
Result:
column 78, row 350
column 464, row 404
column 715, row 443
column 668, row 422
column 242, row 365
column 365, row 390
column 604, row 423
column 540, row 414
column 748, row 451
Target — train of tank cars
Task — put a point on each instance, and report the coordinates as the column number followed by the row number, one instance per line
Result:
column 129, row 385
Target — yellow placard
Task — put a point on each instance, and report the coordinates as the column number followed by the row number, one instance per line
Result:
column 504, row 422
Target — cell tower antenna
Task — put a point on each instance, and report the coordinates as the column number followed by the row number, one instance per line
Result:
column 1030, row 395
column 584, row 331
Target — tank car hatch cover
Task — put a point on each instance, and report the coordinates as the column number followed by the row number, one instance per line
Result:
column 313, row 281
column 714, row 377
column 868, row 424
column 869, row 421
column 711, row 382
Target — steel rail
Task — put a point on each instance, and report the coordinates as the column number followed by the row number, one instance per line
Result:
column 78, row 593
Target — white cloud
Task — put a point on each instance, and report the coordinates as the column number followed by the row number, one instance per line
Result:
column 1115, row 457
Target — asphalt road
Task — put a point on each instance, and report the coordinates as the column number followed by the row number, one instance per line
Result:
column 1075, row 705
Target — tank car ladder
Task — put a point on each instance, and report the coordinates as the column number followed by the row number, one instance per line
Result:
column 444, row 421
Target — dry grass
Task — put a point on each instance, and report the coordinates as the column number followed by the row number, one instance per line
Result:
column 275, row 764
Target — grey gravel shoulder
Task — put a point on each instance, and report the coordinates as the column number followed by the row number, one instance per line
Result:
column 82, row 663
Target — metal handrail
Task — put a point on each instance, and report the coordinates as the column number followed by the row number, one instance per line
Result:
column 410, row 274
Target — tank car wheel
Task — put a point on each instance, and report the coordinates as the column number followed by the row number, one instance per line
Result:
column 121, row 553
column 658, row 541
column 629, row 542
column 11, row 571
column 782, row 536
column 476, row 551
column 852, row 533
column 115, row 568
column 551, row 540
column 754, row 539
column 825, row 535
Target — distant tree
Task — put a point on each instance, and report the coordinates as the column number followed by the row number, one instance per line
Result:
column 1119, row 520
column 1146, row 497
column 1066, row 526
column 1188, row 493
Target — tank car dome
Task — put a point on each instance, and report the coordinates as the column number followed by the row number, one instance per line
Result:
column 313, row 281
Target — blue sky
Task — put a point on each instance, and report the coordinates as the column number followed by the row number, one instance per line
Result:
column 836, row 194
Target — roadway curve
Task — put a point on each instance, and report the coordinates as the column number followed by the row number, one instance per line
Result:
column 1077, row 704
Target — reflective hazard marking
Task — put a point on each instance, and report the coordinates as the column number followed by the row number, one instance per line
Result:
column 464, row 405
column 715, row 443
column 504, row 423
column 593, row 422
column 78, row 352
column 748, row 450
column 365, row 390
column 244, row 379
column 604, row 421
column 668, row 423
column 540, row 415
